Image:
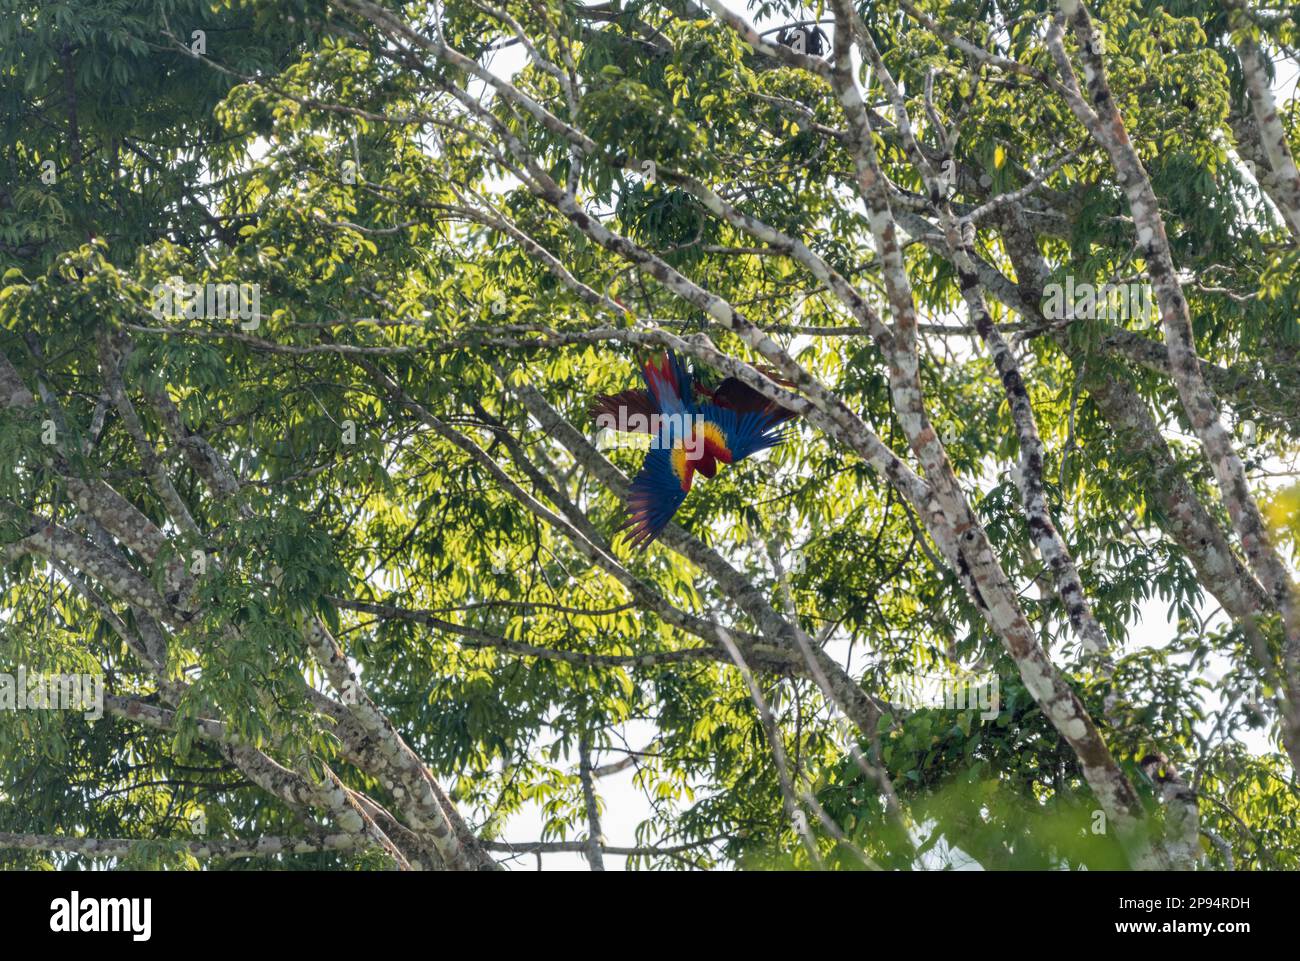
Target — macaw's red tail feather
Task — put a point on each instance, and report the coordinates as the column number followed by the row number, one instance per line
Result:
column 615, row 410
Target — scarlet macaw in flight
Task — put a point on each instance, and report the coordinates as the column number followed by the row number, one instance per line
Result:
column 687, row 436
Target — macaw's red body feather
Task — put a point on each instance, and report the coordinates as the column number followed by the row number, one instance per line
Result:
column 689, row 436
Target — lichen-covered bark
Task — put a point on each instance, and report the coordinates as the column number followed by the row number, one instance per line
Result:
column 1048, row 688
column 1103, row 120
column 1282, row 177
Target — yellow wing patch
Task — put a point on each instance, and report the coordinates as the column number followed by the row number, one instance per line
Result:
column 679, row 463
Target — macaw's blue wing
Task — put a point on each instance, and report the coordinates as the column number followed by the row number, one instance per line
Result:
column 656, row 493
column 731, row 436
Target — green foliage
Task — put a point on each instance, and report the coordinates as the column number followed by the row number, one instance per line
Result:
column 237, row 175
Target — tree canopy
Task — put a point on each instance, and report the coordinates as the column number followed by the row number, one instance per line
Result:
column 305, row 304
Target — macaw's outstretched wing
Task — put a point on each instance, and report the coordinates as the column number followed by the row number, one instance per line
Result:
column 658, row 490
column 731, row 436
column 628, row 410
column 736, row 395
